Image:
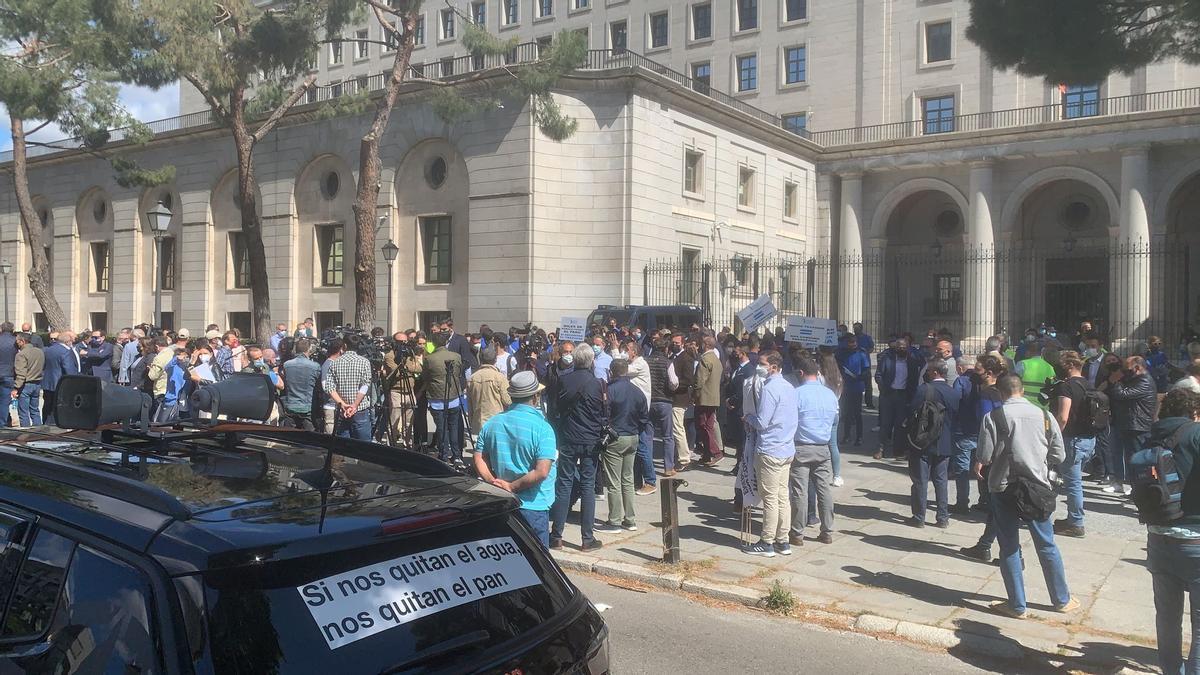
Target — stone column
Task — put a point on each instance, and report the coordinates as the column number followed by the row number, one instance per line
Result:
column 1130, row 287
column 850, row 251
column 979, row 265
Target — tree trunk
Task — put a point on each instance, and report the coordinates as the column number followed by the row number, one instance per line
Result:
column 260, row 287
column 39, row 274
column 366, row 198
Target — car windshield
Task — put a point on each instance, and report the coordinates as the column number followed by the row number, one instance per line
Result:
column 435, row 601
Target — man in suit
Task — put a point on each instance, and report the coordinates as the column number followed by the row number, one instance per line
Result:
column 461, row 346
column 708, row 398
column 61, row 360
column 8, row 357
column 896, row 376
column 96, row 357
column 735, row 392
column 933, row 462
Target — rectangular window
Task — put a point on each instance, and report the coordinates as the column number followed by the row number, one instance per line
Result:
column 98, row 321
column 392, row 40
column 795, row 61
column 362, row 47
column 240, row 322
column 512, row 9
column 330, row 253
column 447, row 24
column 581, row 4
column 100, row 266
column 545, row 8
column 419, row 32
column 435, row 240
column 948, row 289
column 938, row 114
column 239, row 258
column 937, row 42
column 797, row 123
column 335, row 53
column 40, row 324
column 166, row 264
column 479, row 13
column 701, row 21
column 618, row 36
column 790, row 191
column 168, row 320
column 658, row 30
column 795, row 10
column 326, row 320
column 747, row 67
column 693, row 171
column 740, row 266
column 690, row 283
column 702, row 77
column 1080, row 100
column 746, row 187
column 747, row 14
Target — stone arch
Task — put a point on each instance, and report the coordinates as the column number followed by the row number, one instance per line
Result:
column 223, row 211
column 151, row 197
column 1163, row 218
column 93, row 212
column 883, row 212
column 323, row 203
column 1012, row 206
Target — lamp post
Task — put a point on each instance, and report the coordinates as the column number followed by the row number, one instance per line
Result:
column 160, row 220
column 936, row 249
column 5, row 268
column 390, row 252
column 1069, row 243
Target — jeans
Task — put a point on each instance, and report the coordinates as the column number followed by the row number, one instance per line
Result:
column 1122, row 445
column 27, row 404
column 835, row 455
column 850, row 413
column 893, row 407
column 819, row 474
column 1008, row 532
column 960, row 467
column 449, row 430
column 663, row 424
column 357, row 427
column 1079, row 452
column 576, row 479
column 618, row 461
column 773, row 475
column 706, row 429
column 645, row 455
column 539, row 522
column 922, row 468
column 6, row 387
column 1175, row 569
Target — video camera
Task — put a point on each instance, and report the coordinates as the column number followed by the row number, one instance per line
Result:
column 370, row 348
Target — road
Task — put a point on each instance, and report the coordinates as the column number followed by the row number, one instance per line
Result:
column 659, row 632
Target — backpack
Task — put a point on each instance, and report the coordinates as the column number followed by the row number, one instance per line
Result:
column 1157, row 482
column 923, row 427
column 1096, row 409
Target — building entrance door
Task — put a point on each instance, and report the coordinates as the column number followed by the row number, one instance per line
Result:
column 1076, row 289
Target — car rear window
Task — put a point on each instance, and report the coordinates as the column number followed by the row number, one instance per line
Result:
column 602, row 317
column 471, row 587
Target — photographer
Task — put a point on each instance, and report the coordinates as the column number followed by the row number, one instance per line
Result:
column 348, row 383
column 300, row 377
column 1068, row 402
column 441, row 380
column 401, row 384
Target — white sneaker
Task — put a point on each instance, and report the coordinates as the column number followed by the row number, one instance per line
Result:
column 1127, row 490
column 1113, row 487
column 837, row 481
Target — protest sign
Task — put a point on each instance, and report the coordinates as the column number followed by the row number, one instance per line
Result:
column 757, row 313
column 573, row 328
column 811, row 332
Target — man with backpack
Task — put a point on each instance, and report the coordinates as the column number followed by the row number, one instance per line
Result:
column 929, row 433
column 1019, row 443
column 1134, row 399
column 1078, row 408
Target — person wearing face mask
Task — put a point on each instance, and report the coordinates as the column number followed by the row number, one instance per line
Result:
column 1133, row 399
column 1093, row 354
column 202, row 365
column 897, row 378
column 774, row 423
column 603, row 359
column 281, row 332
column 95, row 357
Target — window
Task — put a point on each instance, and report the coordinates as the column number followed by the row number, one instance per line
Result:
column 740, row 266
column 98, row 321
column 795, row 10
column 447, row 66
column 330, row 253
column 511, row 11
column 746, row 187
column 937, row 42
column 168, row 320
column 479, row 13
column 335, row 53
column 701, row 21
column 325, row 320
column 391, row 40
column 240, row 321
column 166, row 264
column 427, row 320
column 690, row 283
column 938, row 114
column 545, row 8
column 581, row 4
column 795, row 62
column 693, row 171
column 796, row 123
column 948, row 293
column 435, row 240
column 1080, row 100
column 702, row 77
column 543, row 43
column 747, row 14
column 658, row 30
column 362, row 47
column 40, row 323
column 747, row 72
column 239, row 257
column 790, row 191
column 100, row 266
column 419, row 32
column 37, row 587
column 447, row 24
column 618, row 34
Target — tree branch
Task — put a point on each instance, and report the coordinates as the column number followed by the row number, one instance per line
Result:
column 383, row 7
column 38, row 128
column 281, row 110
column 211, row 100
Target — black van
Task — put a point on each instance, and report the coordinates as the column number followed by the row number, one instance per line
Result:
column 648, row 317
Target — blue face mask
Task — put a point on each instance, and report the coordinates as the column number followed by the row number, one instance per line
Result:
column 595, row 350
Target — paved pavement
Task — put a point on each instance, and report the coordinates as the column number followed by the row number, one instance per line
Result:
column 881, row 566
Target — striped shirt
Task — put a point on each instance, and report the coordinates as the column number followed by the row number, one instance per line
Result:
column 349, row 373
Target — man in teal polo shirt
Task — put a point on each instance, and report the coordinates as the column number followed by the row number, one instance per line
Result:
column 516, row 451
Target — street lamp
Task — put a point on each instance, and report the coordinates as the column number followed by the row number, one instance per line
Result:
column 160, row 220
column 936, row 249
column 390, row 252
column 1069, row 243
column 5, row 268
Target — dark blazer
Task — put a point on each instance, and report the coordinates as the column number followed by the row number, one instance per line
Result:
column 60, row 360
column 734, row 389
column 8, row 355
column 98, row 361
column 462, row 346
column 886, row 370
column 951, row 398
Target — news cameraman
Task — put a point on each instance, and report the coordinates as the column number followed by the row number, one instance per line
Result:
column 401, row 383
column 441, row 380
column 1069, row 404
column 348, row 384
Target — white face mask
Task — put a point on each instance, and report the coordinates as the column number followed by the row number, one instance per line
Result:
column 205, row 358
column 762, row 371
column 1091, row 353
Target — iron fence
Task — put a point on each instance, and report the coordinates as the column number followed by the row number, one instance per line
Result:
column 723, row 287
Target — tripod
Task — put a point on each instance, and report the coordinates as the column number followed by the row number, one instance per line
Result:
column 383, row 409
column 448, row 412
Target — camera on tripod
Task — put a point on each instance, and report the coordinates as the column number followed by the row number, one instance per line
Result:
column 370, row 348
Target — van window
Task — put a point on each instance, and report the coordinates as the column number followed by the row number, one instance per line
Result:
column 35, row 594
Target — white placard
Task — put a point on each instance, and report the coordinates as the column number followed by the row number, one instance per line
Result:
column 757, row 313
column 362, row 602
column 811, row 331
column 573, row 328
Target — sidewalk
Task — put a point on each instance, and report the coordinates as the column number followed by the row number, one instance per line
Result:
column 878, row 565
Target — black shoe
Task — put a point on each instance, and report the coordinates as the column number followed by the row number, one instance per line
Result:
column 1066, row 529
column 979, row 506
column 556, row 544
column 977, row 552
column 915, row 522
column 942, row 524
column 592, row 545
column 825, row 538
column 606, row 527
column 960, row 509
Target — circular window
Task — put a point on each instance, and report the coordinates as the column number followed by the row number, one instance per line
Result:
column 331, row 184
column 100, row 210
column 947, row 223
column 1076, row 215
column 435, row 173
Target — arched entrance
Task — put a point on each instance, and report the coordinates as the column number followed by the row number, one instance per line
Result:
column 1180, row 287
column 922, row 267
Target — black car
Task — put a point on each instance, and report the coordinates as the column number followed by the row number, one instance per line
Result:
column 242, row 548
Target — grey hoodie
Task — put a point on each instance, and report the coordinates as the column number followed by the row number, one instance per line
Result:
column 1037, row 444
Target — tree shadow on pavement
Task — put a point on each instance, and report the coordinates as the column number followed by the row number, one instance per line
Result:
column 1034, row 662
column 889, row 465
column 1119, row 656
column 877, row 496
column 896, row 543
column 868, row 513
column 919, row 590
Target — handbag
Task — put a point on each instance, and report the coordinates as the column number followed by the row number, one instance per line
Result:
column 1030, row 499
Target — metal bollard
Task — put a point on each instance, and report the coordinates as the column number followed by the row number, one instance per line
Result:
column 667, row 487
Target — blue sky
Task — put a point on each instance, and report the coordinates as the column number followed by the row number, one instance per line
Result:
column 145, row 104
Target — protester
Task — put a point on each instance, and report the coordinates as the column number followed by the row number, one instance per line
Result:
column 897, row 377
column 301, row 377
column 639, row 376
column 867, row 344
column 627, row 416
column 1190, row 381
column 1070, row 408
column 60, row 360
column 817, row 411
column 856, row 377
column 932, row 463
column 348, row 384
column 682, row 375
column 990, row 368
column 280, row 333
column 1035, row 371
column 441, row 380
column 660, row 403
column 487, row 390
column 231, row 355
column 580, row 412
column 27, row 381
column 8, row 357
column 1133, row 400
column 965, row 435
column 774, row 422
column 743, row 369
column 708, row 399
column 603, row 359
column 830, row 375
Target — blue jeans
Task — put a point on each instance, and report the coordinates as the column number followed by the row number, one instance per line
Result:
column 357, row 427
column 1079, row 452
column 1175, row 569
column 576, row 480
column 539, row 522
column 960, row 467
column 1008, row 533
column 449, row 433
column 29, row 409
column 645, row 455
column 922, row 468
column 835, row 455
column 664, row 427
column 1122, row 445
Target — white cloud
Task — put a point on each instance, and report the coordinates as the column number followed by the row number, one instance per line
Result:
column 143, row 103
